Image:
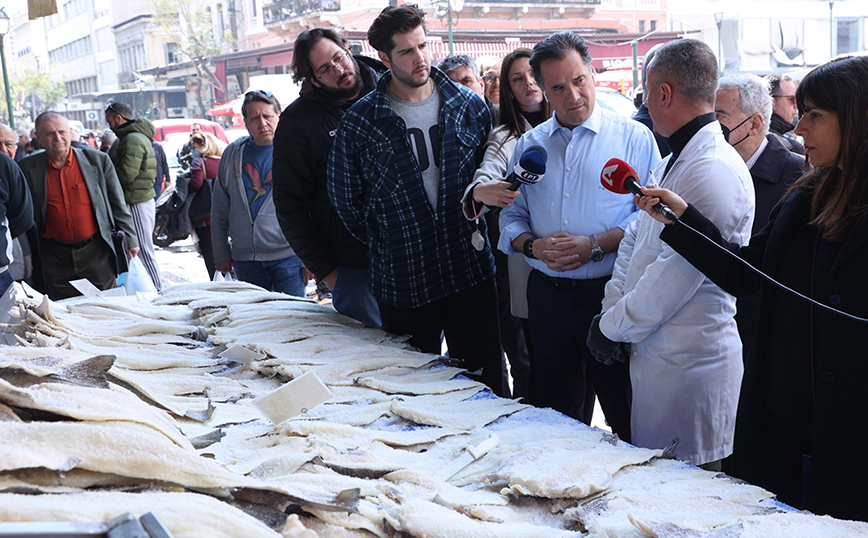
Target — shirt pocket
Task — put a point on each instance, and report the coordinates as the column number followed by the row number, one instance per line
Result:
column 469, row 141
column 380, row 166
column 80, row 195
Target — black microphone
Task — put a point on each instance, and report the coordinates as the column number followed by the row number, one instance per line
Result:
column 530, row 168
column 619, row 177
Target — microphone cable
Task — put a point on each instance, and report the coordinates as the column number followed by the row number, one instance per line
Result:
column 767, row 277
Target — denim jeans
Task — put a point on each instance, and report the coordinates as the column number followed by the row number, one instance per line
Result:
column 6, row 280
column 352, row 296
column 276, row 275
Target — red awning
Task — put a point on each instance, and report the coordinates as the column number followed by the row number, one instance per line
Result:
column 232, row 108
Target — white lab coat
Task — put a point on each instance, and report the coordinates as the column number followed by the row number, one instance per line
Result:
column 686, row 362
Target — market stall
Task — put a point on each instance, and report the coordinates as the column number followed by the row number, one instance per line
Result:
column 116, row 405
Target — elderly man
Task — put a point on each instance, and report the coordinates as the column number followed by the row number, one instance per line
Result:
column 242, row 206
column 21, row 265
column 402, row 157
column 744, row 109
column 78, row 205
column 784, row 111
column 681, row 338
column 568, row 227
column 332, row 80
column 491, row 81
column 461, row 69
column 136, row 166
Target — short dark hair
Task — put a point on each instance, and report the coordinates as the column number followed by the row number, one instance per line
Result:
column 304, row 43
column 394, row 20
column 556, row 47
column 451, row 63
column 775, row 83
column 690, row 67
column 121, row 109
column 259, row 96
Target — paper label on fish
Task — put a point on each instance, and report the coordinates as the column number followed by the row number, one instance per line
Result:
column 296, row 397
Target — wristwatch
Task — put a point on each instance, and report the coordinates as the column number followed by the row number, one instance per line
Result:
column 528, row 247
column 596, row 252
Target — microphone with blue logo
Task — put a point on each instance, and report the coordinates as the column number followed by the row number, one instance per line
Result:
column 530, row 168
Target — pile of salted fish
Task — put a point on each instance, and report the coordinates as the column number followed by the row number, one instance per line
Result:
column 114, row 405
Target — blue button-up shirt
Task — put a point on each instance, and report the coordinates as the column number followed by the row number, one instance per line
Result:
column 418, row 254
column 570, row 197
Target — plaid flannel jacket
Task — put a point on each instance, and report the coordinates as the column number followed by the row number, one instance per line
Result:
column 417, row 255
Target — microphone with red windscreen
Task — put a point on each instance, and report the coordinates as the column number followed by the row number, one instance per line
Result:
column 620, row 178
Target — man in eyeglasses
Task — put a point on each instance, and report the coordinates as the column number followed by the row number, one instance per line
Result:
column 136, row 165
column 8, row 140
column 332, row 79
column 402, row 157
column 784, row 111
column 242, row 206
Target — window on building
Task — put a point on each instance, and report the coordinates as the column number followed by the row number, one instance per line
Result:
column 172, row 53
column 848, row 35
column 641, row 26
column 653, row 25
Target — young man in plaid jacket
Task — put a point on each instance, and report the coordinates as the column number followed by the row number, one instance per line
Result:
column 401, row 160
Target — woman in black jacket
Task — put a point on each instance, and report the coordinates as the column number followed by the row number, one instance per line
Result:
column 802, row 426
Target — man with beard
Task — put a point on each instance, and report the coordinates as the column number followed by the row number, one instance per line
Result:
column 402, row 158
column 332, row 80
column 784, row 111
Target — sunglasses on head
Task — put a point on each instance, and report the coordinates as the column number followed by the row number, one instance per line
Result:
column 111, row 106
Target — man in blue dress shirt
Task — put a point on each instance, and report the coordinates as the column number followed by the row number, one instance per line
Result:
column 569, row 227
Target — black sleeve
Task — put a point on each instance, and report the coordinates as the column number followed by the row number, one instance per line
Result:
column 723, row 269
column 17, row 202
column 295, row 183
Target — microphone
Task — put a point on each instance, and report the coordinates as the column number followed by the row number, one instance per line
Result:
column 620, row 178
column 530, row 168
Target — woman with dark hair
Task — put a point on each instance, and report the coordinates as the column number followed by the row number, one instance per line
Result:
column 801, row 426
column 522, row 107
column 207, row 152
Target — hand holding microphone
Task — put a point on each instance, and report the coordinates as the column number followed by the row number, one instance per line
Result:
column 619, row 177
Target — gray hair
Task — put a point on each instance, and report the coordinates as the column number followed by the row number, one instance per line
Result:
column 753, row 93
column 689, row 66
column 451, row 63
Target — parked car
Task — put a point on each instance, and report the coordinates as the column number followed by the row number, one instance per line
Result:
column 172, row 134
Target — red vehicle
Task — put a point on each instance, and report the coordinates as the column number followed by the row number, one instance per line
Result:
column 182, row 125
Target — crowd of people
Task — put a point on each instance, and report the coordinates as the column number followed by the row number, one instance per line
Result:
column 390, row 182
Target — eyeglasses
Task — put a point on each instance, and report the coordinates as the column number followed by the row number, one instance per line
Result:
column 491, row 79
column 341, row 59
column 111, row 107
column 790, row 98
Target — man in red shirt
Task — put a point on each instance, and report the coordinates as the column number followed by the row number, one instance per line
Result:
column 77, row 205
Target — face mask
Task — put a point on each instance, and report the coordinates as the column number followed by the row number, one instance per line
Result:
column 726, row 131
column 195, row 153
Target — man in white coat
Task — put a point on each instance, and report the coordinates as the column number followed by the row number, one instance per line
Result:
column 683, row 343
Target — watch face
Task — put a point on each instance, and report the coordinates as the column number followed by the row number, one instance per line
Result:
column 597, row 255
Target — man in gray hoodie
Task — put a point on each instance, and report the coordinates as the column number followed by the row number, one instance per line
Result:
column 242, row 206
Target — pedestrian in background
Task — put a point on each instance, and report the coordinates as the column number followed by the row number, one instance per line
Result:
column 204, row 169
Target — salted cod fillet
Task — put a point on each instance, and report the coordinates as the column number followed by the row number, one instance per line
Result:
column 186, row 515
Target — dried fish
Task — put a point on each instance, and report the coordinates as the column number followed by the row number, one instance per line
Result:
column 463, row 415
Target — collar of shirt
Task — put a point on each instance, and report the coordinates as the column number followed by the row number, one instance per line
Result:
column 591, row 124
column 682, row 136
column 70, row 159
column 756, row 155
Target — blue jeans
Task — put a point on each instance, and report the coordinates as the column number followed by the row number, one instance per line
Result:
column 352, row 296
column 276, row 275
column 6, row 280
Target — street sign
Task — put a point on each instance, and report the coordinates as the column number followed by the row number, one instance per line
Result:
column 91, row 115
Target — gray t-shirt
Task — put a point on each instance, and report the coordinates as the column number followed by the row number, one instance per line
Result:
column 423, row 130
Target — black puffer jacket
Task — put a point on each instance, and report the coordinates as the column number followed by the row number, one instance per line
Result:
column 301, row 149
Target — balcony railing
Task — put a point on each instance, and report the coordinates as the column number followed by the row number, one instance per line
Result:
column 285, row 10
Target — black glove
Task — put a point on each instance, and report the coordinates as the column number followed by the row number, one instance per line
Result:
column 603, row 349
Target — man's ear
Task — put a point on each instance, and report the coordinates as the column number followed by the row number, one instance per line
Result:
column 384, row 58
column 314, row 81
column 665, row 94
column 756, row 123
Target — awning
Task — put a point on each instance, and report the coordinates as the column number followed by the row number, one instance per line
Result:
column 232, row 108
